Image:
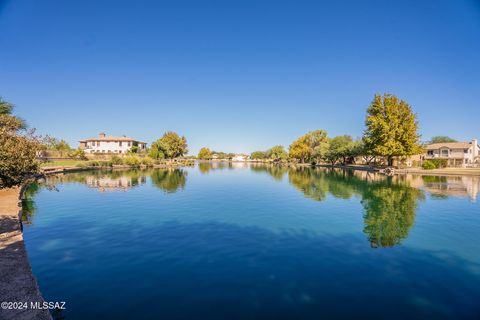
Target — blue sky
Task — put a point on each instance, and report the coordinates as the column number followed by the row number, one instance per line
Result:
column 238, row 76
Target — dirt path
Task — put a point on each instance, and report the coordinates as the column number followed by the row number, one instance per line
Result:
column 17, row 283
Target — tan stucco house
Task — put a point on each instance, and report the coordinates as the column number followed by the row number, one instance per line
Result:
column 111, row 144
column 458, row 154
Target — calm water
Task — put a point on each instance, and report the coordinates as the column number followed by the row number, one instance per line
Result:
column 241, row 242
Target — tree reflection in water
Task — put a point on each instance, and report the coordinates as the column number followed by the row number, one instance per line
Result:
column 390, row 210
column 169, row 180
column 390, row 206
column 28, row 203
column 275, row 171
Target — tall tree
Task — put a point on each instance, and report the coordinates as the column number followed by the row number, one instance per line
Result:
column 391, row 128
column 441, row 139
column 299, row 150
column 340, row 148
column 258, row 155
column 204, row 154
column 317, row 141
column 312, row 146
column 276, row 153
column 61, row 146
column 169, row 146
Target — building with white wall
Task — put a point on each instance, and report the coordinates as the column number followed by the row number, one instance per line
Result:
column 456, row 153
column 111, row 144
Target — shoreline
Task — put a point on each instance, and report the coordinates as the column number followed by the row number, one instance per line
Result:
column 17, row 282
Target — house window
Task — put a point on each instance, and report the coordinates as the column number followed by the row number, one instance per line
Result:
column 128, row 144
column 444, row 152
column 120, row 143
column 430, row 152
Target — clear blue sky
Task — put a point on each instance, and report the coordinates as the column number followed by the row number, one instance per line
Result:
column 238, row 75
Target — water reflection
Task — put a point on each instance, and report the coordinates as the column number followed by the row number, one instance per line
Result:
column 389, row 203
column 28, row 204
column 275, row 171
column 207, row 166
column 123, row 180
column 455, row 186
column 169, row 180
column 103, row 181
column 389, row 212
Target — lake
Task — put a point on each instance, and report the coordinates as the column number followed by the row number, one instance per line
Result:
column 239, row 241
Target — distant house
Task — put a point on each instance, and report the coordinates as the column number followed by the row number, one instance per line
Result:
column 456, row 153
column 240, row 157
column 110, row 144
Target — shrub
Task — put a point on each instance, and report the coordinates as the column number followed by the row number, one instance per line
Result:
column 107, row 163
column 77, row 154
column 147, row 161
column 131, row 161
column 94, row 163
column 116, row 160
column 429, row 165
column 439, row 163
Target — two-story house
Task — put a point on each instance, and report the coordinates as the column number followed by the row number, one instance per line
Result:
column 110, row 144
column 458, row 154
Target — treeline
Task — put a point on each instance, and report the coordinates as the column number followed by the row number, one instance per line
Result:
column 391, row 131
column 207, row 154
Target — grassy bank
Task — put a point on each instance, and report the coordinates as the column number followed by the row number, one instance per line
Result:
column 63, row 163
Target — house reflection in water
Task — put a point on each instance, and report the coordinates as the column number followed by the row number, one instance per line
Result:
column 108, row 183
column 440, row 186
column 457, row 186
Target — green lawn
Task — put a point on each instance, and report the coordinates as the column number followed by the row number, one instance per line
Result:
column 62, row 163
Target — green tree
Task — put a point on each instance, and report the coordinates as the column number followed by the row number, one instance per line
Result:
column 61, row 146
column 169, row 146
column 317, row 141
column 364, row 152
column 205, row 154
column 340, row 148
column 18, row 148
column 276, row 153
column 299, row 150
column 441, row 139
column 312, row 146
column 134, row 148
column 355, row 149
column 391, row 128
column 258, row 155
column 77, row 154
